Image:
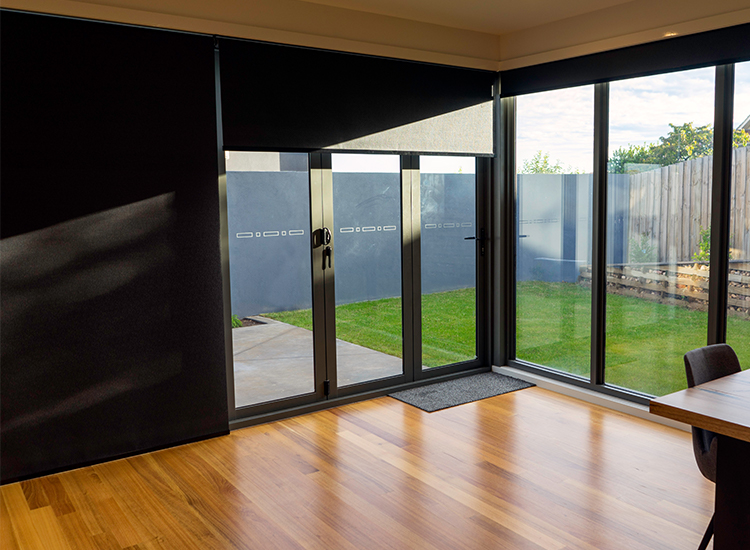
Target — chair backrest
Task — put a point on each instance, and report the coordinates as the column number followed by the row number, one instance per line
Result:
column 709, row 363
column 703, row 365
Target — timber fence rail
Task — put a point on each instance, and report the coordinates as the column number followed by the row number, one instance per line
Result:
column 684, row 284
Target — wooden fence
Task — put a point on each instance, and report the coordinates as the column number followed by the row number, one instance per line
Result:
column 683, row 285
column 672, row 203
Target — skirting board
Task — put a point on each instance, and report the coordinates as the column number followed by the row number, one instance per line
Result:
column 596, row 398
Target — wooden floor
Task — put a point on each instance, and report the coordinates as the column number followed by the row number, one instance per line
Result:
column 526, row 470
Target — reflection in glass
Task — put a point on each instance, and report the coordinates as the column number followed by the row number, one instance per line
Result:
column 658, row 233
column 448, row 266
column 738, row 306
column 367, row 254
column 268, row 211
column 553, row 265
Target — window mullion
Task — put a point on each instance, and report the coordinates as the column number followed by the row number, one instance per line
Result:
column 599, row 233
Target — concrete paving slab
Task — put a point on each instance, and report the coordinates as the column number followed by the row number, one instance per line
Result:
column 274, row 360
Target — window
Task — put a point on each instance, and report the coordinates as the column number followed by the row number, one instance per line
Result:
column 658, row 231
column 554, row 162
column 738, row 305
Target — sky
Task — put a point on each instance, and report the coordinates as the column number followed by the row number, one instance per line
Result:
column 561, row 122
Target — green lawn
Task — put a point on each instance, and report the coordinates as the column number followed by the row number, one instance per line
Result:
column 448, row 325
column 645, row 340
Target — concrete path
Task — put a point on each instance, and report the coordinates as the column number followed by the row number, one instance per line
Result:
column 275, row 360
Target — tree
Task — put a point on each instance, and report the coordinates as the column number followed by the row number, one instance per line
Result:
column 540, row 164
column 740, row 138
column 636, row 154
column 683, row 143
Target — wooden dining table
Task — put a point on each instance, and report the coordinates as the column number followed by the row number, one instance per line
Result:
column 722, row 406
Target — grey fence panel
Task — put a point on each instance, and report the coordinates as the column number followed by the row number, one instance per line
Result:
column 269, row 241
column 618, row 217
column 271, row 271
column 540, row 227
column 554, row 226
column 448, row 209
column 584, row 225
column 367, row 236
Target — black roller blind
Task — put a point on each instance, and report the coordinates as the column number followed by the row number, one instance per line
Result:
column 112, row 330
column 728, row 45
column 284, row 98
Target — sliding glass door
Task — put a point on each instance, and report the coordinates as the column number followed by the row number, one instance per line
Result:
column 738, row 289
column 349, row 273
column 659, row 184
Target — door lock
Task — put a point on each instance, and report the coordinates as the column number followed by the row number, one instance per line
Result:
column 321, row 237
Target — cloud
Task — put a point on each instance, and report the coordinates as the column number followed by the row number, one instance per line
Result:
column 561, row 122
column 641, row 109
column 741, row 92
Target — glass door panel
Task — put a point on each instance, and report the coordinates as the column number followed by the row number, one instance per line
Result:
column 367, row 251
column 268, row 214
column 448, row 259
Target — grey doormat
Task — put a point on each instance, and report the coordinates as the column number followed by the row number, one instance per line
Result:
column 450, row 393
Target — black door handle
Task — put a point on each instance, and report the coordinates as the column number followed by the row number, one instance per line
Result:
column 327, row 253
column 480, row 239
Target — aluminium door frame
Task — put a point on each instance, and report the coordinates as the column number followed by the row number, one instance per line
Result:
column 322, row 162
column 323, row 290
column 483, row 342
column 317, row 295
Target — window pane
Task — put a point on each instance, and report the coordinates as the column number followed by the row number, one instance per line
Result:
column 554, row 162
column 268, row 211
column 738, row 314
column 448, row 210
column 367, row 251
column 658, row 233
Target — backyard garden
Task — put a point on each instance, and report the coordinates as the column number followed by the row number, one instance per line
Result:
column 645, row 340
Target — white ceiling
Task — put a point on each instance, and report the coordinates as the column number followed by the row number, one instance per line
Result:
column 488, row 16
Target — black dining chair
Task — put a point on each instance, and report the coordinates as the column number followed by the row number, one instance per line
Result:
column 703, row 365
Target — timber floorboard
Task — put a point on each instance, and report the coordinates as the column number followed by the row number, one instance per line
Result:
column 526, row 470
